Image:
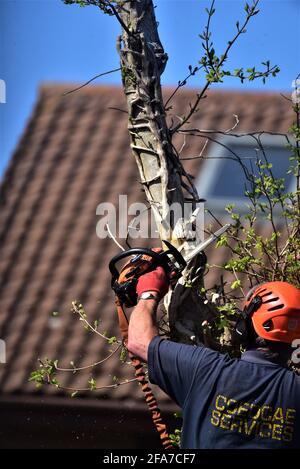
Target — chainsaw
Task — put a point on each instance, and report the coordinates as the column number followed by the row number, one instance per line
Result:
column 144, row 260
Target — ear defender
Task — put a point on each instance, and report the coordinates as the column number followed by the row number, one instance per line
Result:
column 243, row 324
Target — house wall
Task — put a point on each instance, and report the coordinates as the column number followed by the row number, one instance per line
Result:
column 56, row 423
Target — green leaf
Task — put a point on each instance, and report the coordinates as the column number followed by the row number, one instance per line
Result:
column 222, row 241
column 92, row 384
column 235, row 284
column 96, row 324
column 112, row 340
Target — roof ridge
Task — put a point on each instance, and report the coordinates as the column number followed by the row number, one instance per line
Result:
column 44, row 87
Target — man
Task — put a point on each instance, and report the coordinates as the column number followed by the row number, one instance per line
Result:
column 252, row 402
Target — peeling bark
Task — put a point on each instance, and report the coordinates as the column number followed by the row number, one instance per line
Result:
column 142, row 62
column 164, row 180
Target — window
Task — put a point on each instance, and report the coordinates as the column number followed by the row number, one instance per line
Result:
column 222, row 181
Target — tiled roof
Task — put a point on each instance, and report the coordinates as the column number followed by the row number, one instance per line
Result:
column 73, row 155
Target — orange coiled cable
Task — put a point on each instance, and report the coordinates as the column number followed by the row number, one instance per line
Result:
column 141, row 378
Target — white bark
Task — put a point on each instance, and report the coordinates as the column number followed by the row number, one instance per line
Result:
column 143, row 61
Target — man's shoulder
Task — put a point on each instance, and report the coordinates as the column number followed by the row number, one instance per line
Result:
column 164, row 345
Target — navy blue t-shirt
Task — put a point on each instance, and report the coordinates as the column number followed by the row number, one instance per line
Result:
column 228, row 403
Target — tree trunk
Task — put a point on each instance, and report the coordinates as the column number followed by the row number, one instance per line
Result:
column 142, row 62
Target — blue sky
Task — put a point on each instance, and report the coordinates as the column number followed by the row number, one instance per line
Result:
column 47, row 41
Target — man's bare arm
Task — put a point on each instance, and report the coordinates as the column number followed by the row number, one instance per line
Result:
column 142, row 328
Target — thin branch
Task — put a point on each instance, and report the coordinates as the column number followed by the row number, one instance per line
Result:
column 220, row 64
column 181, row 84
column 236, row 277
column 201, row 157
column 226, row 132
column 236, row 158
column 82, row 318
column 183, row 145
column 258, row 140
column 96, row 388
column 240, row 31
column 75, row 369
column 202, row 149
column 192, row 109
column 297, row 148
column 124, row 26
column 113, row 238
column 285, row 97
column 213, row 217
column 89, row 81
column 117, row 109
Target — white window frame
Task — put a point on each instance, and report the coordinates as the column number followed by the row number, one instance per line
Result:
column 209, row 169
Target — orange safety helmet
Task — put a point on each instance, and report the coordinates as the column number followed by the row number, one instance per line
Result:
column 274, row 308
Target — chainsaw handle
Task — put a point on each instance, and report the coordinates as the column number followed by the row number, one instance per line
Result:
column 131, row 252
column 175, row 253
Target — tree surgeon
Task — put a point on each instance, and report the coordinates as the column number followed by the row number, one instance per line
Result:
column 252, row 402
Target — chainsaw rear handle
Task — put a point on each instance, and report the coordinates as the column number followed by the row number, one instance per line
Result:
column 159, row 257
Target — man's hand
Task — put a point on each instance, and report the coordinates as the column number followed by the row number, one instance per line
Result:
column 154, row 281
